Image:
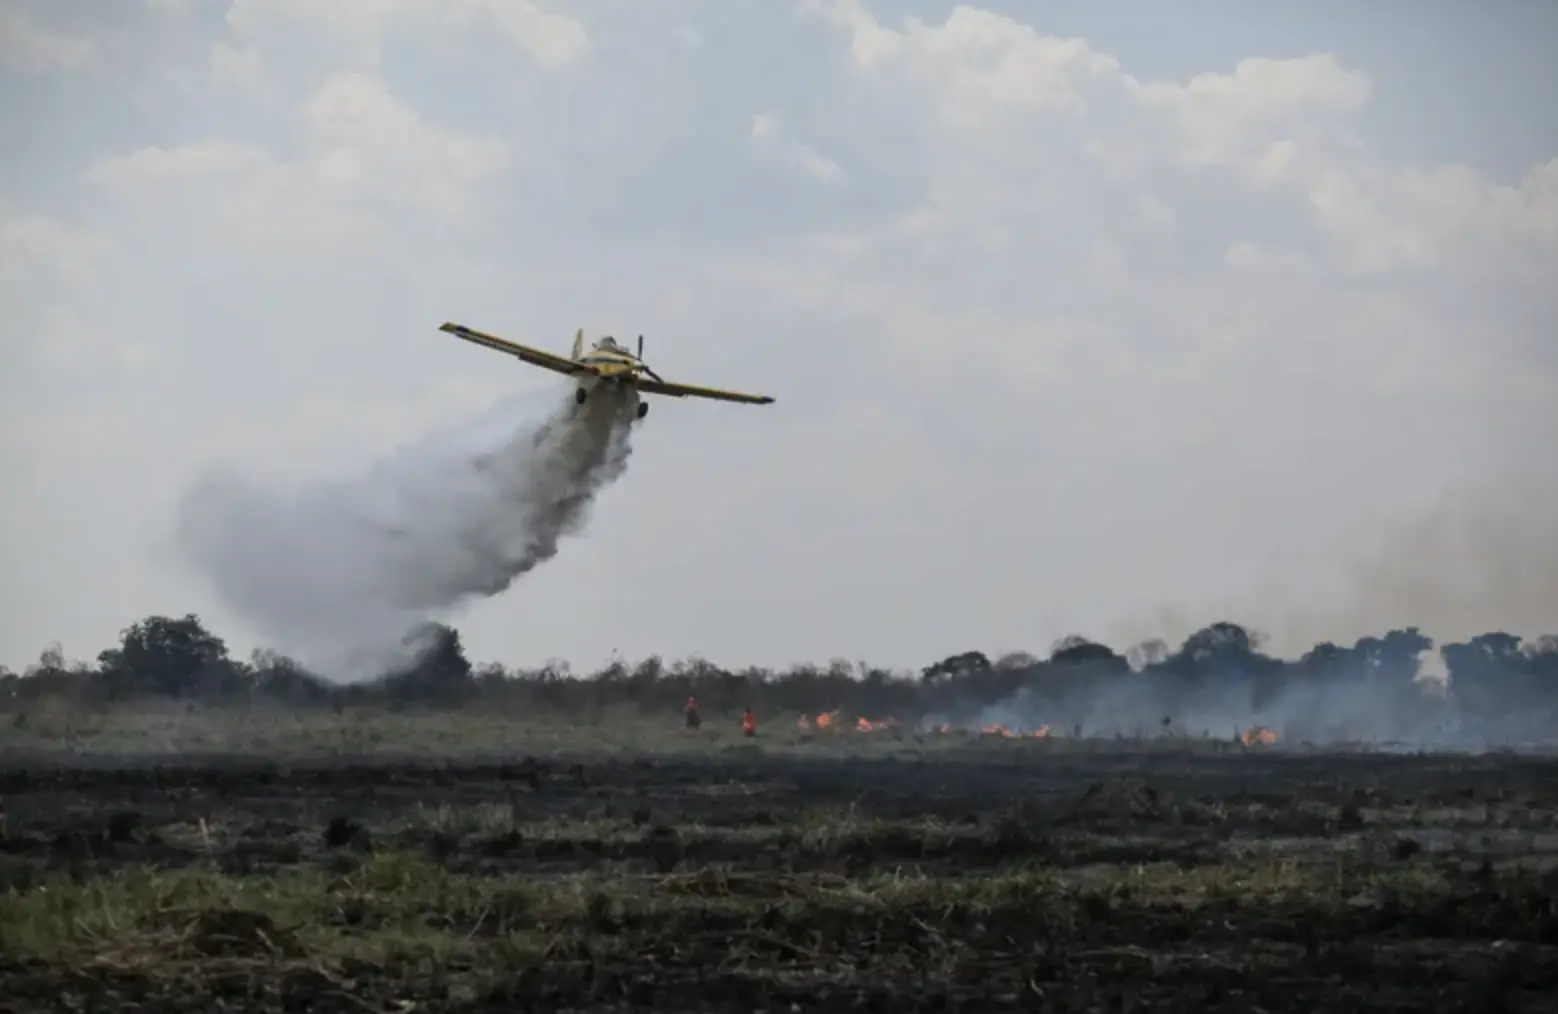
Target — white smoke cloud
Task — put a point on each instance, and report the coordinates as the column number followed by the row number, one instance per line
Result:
column 337, row 574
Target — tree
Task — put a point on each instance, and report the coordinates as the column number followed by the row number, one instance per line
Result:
column 1217, row 650
column 1077, row 650
column 1396, row 657
column 1324, row 659
column 954, row 666
column 1489, row 675
column 51, row 661
column 279, row 679
column 167, row 657
column 1542, row 655
column 1494, row 677
column 1498, row 646
column 1544, row 647
column 441, row 675
column 1221, row 640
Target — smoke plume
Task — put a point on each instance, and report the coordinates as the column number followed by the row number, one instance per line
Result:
column 340, row 575
column 1482, row 558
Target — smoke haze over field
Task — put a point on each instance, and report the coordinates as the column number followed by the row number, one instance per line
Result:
column 1501, row 692
column 1483, row 557
column 337, row 574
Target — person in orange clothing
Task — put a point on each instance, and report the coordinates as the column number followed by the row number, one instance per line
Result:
column 691, row 712
column 749, row 722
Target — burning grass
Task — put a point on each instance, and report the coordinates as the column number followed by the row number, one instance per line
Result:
column 997, row 879
column 379, row 733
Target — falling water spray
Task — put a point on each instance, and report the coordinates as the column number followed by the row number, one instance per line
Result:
column 339, row 574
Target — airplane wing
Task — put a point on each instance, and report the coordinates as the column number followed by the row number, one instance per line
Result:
column 535, row 357
column 693, row 391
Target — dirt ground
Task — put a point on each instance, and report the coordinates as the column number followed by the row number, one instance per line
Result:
column 988, row 877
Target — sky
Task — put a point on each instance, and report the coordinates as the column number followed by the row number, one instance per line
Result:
column 1111, row 322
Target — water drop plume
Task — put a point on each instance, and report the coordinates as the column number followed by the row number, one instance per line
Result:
column 342, row 574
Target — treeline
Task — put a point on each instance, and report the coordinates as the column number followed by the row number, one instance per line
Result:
column 1219, row 670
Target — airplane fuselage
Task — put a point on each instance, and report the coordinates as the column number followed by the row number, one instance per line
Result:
column 611, row 367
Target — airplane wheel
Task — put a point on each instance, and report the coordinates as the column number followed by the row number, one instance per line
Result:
column 643, row 409
column 579, row 394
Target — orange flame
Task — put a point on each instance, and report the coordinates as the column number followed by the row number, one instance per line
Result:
column 1257, row 734
column 830, row 719
column 1042, row 732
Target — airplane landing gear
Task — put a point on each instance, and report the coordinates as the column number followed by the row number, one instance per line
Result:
column 643, row 409
column 579, row 394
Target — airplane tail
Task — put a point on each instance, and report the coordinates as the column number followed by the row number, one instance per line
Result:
column 578, row 343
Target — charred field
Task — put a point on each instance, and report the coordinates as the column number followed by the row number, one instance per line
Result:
column 980, row 875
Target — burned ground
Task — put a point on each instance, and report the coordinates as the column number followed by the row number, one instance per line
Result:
column 984, row 876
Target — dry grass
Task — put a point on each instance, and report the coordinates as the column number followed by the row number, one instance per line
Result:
column 413, row 928
column 1008, row 879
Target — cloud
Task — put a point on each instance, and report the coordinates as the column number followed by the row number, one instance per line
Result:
column 1248, row 118
column 1270, row 122
column 132, row 174
column 1067, row 334
column 44, row 265
column 240, row 70
column 232, row 189
column 377, row 148
column 976, row 63
column 364, row 150
column 552, row 40
column 29, row 47
column 768, row 137
column 33, row 246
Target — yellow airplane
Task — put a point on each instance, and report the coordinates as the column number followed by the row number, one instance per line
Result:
column 607, row 362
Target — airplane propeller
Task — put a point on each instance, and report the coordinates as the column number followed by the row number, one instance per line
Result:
column 652, row 373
